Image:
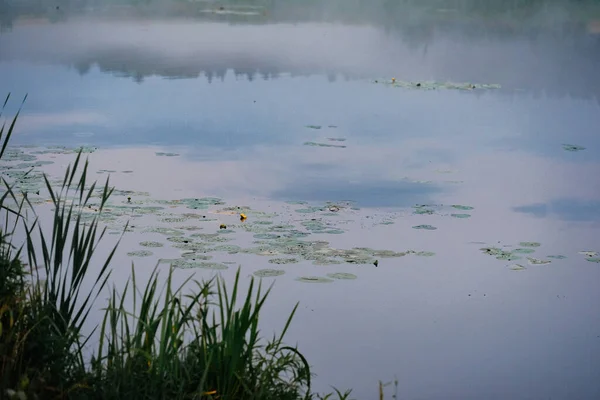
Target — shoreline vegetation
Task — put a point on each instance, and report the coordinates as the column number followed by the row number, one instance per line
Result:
column 154, row 341
column 515, row 16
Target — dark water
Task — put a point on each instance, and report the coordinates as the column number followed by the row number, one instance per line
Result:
column 233, row 92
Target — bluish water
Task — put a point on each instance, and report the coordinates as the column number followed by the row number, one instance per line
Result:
column 235, row 100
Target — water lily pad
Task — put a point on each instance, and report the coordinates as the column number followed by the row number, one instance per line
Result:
column 424, row 211
column 170, row 220
column 228, row 248
column 179, row 239
column 308, row 210
column 151, row 244
column 572, row 147
column 266, row 236
column 268, row 273
column 517, row 267
column 315, row 144
column 203, row 265
column 536, row 261
column 201, row 203
column 313, row 126
column 589, row 254
column 314, row 279
column 594, row 259
column 192, row 256
column 507, row 257
column 166, row 154
column 326, row 261
column 461, row 207
column 211, row 237
column 529, row 244
column 283, row 261
column 523, row 251
column 425, row 227
column 140, row 253
column 332, row 139
column 191, row 246
column 163, row 231
column 461, row 215
column 341, row 275
column 189, row 228
column 557, row 257
column 259, row 222
column 425, row 253
column 434, row 85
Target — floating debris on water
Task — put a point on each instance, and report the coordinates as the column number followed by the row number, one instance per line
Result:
column 269, row 273
column 313, row 126
column 341, row 146
column 572, row 147
column 557, row 257
column 332, row 139
column 163, row 154
column 589, row 254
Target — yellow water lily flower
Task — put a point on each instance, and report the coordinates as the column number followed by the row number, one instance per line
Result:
column 243, row 216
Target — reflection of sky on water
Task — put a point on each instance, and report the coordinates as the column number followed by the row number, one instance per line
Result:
column 533, row 334
column 566, row 209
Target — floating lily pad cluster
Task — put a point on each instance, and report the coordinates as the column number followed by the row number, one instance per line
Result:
column 591, row 256
column 572, row 147
column 523, row 250
column 435, row 85
column 455, row 211
column 20, row 168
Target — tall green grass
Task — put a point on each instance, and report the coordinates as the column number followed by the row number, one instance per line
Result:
column 192, row 341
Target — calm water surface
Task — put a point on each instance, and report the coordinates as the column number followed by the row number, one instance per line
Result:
column 234, row 100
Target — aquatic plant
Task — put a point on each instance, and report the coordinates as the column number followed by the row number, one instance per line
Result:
column 150, row 343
